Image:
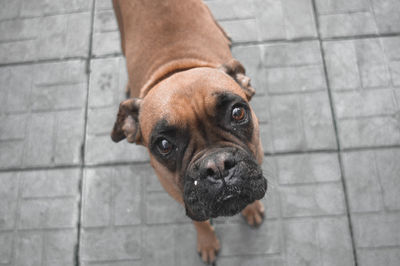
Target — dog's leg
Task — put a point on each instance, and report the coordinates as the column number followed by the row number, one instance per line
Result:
column 207, row 242
column 254, row 213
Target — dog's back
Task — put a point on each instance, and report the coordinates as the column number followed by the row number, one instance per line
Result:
column 160, row 37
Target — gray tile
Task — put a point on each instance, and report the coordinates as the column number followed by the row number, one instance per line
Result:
column 372, row 180
column 241, row 30
column 39, row 210
column 313, row 200
column 99, row 244
column 43, row 114
column 315, row 242
column 231, row 9
column 387, row 256
column 6, row 243
column 112, row 196
column 362, row 74
column 307, row 168
column 240, row 239
column 66, row 35
column 376, row 230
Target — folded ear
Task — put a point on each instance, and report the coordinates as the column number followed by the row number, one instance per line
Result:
column 236, row 70
column 127, row 123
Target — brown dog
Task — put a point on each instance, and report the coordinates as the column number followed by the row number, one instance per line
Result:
column 189, row 106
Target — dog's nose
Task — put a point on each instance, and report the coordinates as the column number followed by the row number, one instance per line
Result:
column 218, row 165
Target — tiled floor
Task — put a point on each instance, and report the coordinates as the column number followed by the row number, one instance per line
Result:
column 327, row 75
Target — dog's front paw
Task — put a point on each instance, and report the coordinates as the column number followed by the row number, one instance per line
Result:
column 254, row 213
column 207, row 242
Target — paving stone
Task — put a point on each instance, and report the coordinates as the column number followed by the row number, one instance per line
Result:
column 372, row 180
column 114, row 263
column 251, row 260
column 295, row 79
column 388, row 256
column 316, row 242
column 369, row 132
column 105, row 43
column 106, row 91
column 6, row 240
column 120, row 243
column 162, row 208
column 158, row 245
column 302, row 122
column 231, row 9
column 103, row 5
column 357, row 17
column 29, row 245
column 8, row 198
column 66, row 35
column 353, row 104
column 387, row 19
column 361, row 181
column 291, row 54
column 241, row 30
column 240, row 239
column 36, row 8
column 48, row 213
column 266, row 135
column 299, row 18
column 313, row 200
column 43, row 113
column 250, row 57
column 106, row 37
column 293, row 100
column 101, row 149
column 9, row 9
column 341, row 63
column 376, row 230
column 16, row 92
column 367, row 106
column 41, row 217
column 186, row 247
column 53, row 183
column 372, row 66
column 41, row 208
column 60, row 248
column 260, row 106
column 112, row 196
column 285, row 19
column 307, row 168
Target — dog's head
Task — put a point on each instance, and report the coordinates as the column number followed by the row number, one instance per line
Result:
column 203, row 139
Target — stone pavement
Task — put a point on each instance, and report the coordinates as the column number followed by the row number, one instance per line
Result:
column 327, row 75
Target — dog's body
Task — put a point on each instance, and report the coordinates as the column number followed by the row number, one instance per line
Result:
column 189, row 107
column 160, row 37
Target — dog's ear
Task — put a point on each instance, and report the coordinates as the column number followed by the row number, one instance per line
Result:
column 127, row 123
column 236, row 70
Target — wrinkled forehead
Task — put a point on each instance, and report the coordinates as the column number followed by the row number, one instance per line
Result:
column 185, row 97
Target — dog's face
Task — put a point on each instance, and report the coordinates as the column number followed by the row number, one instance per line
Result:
column 203, row 140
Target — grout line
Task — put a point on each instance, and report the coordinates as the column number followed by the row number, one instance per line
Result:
column 133, row 163
column 361, row 37
column 82, row 166
column 335, row 127
column 234, row 44
column 43, row 61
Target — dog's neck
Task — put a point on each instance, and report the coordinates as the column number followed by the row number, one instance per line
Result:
column 162, row 37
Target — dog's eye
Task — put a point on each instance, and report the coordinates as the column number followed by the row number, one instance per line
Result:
column 164, row 146
column 238, row 113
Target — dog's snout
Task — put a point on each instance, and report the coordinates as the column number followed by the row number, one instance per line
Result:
column 218, row 165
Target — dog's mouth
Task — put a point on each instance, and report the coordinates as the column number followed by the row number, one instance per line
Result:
column 204, row 200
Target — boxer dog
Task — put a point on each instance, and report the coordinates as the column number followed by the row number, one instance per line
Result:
column 189, row 106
